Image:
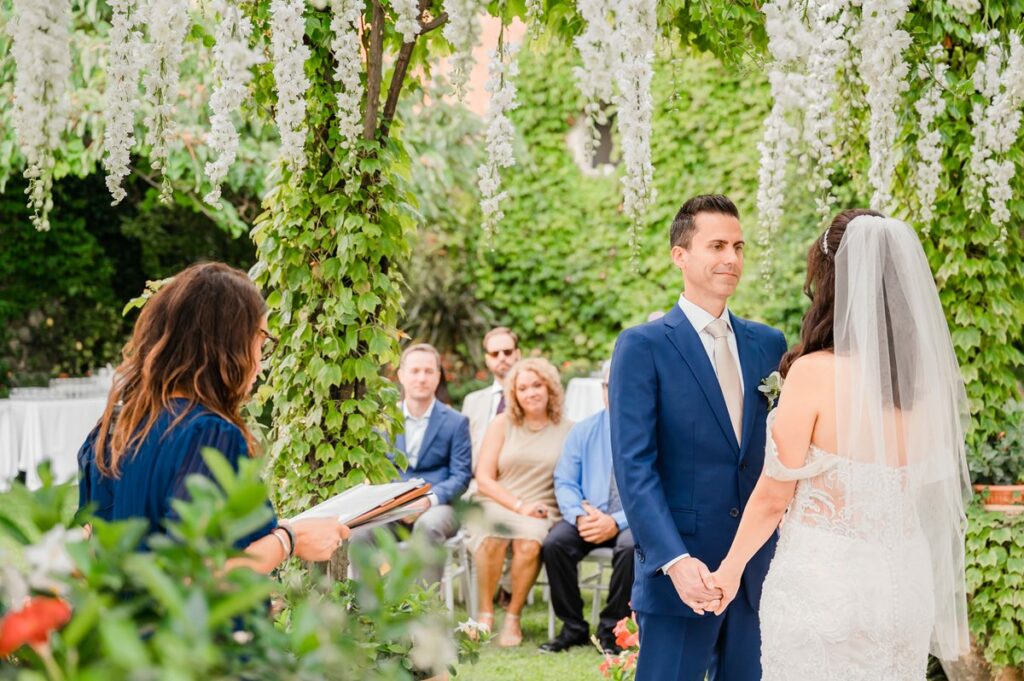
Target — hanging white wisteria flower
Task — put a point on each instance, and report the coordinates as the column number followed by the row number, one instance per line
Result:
column 287, row 29
column 884, row 72
column 789, row 42
column 122, row 93
column 966, row 7
column 408, row 21
column 999, row 78
column 636, row 29
column 462, row 30
column 42, row 56
column 830, row 23
column 929, row 107
column 599, row 57
column 233, row 61
column 499, row 134
column 168, row 22
column 534, row 12
column 348, row 67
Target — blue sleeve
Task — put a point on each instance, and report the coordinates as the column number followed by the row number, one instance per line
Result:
column 227, row 439
column 460, row 462
column 569, row 475
column 633, row 408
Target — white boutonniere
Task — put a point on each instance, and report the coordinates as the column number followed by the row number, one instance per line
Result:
column 771, row 387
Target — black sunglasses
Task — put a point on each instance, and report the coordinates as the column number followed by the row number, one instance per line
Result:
column 508, row 352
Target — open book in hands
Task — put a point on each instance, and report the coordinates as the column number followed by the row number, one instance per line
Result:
column 373, row 504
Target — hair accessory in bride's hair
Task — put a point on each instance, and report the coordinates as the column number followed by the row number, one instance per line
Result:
column 824, row 240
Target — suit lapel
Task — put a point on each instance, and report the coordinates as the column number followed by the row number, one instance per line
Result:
column 684, row 337
column 433, row 425
column 749, row 361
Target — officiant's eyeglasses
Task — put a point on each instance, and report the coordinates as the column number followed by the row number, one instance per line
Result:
column 507, row 352
column 269, row 343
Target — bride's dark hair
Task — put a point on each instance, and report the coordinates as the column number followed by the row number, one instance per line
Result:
column 820, row 287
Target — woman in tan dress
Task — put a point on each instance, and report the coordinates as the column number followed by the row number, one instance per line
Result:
column 515, row 476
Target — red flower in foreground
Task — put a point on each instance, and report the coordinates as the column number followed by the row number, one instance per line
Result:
column 606, row 667
column 627, row 635
column 33, row 623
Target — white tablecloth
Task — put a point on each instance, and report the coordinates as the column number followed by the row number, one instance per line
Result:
column 32, row 431
column 583, row 398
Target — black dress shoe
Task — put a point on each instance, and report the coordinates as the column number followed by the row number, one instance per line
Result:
column 609, row 646
column 563, row 642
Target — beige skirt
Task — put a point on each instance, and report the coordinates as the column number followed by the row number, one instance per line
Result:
column 498, row 521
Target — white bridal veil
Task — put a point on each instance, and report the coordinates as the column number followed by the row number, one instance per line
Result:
column 901, row 404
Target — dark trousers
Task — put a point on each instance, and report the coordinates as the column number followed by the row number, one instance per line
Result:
column 562, row 551
column 723, row 648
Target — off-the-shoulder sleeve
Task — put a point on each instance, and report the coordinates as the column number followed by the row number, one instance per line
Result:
column 226, row 438
column 776, row 470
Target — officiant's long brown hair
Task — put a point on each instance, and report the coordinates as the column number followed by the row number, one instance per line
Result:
column 195, row 338
column 820, row 286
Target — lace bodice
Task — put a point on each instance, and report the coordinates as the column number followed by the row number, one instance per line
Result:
column 870, row 501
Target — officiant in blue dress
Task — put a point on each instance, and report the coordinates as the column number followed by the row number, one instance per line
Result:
column 192, row 360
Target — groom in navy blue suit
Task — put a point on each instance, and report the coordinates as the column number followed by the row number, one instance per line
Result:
column 688, row 436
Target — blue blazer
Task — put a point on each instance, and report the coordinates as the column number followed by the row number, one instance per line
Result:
column 683, row 478
column 445, row 459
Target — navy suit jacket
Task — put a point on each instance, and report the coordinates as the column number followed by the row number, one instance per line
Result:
column 445, row 459
column 683, row 478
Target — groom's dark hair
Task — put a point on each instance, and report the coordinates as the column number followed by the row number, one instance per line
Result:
column 685, row 222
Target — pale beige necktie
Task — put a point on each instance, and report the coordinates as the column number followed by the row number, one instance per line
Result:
column 728, row 374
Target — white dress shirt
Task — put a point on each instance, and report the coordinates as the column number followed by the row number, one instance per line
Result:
column 497, row 390
column 699, row 318
column 415, row 429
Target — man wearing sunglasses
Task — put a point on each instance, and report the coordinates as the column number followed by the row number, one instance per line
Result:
column 501, row 350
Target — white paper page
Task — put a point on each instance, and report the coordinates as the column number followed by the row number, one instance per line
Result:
column 356, row 501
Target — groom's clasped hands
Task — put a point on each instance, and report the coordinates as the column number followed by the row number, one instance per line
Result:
column 702, row 590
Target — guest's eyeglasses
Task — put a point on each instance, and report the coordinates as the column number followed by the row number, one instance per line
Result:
column 269, row 343
column 508, row 352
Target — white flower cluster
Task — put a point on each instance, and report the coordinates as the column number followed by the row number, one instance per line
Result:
column 636, row 29
column 790, row 42
column 408, row 21
column 462, row 30
column 884, row 71
column 348, row 67
column 42, row 54
column 999, row 78
column 830, row 23
column 168, row 22
column 534, row 11
column 287, row 30
column 929, row 107
column 499, row 133
column 233, row 59
column 599, row 57
column 122, row 92
column 967, row 7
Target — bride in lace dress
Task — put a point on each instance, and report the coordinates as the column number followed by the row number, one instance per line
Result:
column 865, row 470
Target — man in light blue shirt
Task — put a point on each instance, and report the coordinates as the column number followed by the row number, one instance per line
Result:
column 592, row 517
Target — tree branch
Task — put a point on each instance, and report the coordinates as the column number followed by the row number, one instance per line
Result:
column 401, row 67
column 374, row 71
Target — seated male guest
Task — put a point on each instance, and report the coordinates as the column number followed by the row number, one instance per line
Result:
column 592, row 517
column 436, row 445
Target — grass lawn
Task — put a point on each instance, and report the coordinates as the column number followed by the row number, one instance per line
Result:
column 525, row 661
